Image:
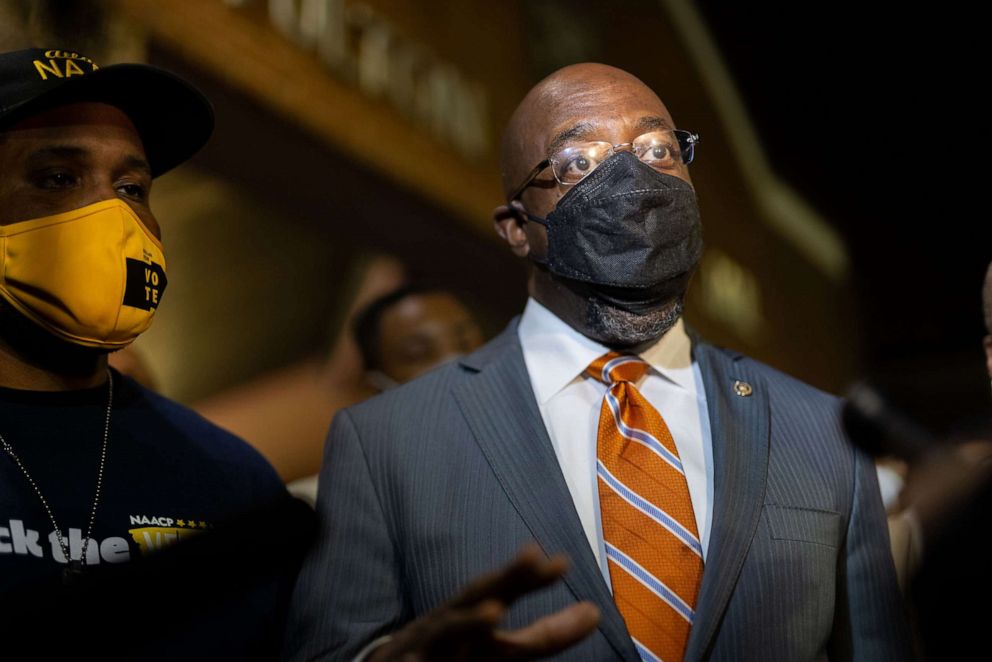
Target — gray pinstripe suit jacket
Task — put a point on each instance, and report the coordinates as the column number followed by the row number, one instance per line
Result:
column 431, row 484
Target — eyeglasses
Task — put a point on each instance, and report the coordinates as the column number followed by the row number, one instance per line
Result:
column 665, row 150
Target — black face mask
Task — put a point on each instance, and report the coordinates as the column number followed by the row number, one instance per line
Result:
column 627, row 234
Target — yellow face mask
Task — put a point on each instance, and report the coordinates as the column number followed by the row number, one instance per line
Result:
column 92, row 276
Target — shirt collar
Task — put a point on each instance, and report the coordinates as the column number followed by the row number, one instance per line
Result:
column 556, row 354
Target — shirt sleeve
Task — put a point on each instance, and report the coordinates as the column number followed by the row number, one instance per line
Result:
column 870, row 621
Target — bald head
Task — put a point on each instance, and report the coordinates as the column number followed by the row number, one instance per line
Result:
column 584, row 102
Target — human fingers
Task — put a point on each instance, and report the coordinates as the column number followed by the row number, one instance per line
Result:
column 529, row 571
column 551, row 634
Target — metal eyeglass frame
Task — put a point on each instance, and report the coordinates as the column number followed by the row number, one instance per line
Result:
column 687, row 144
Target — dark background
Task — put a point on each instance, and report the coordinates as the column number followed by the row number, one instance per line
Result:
column 875, row 115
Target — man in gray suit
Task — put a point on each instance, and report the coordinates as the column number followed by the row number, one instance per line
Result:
column 438, row 481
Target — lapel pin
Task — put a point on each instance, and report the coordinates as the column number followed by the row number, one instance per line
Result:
column 742, row 389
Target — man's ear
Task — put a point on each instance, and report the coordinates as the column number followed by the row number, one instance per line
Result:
column 988, row 354
column 509, row 224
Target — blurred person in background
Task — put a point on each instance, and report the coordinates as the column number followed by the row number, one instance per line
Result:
column 939, row 522
column 949, row 494
column 411, row 330
column 98, row 472
column 400, row 336
column 923, row 492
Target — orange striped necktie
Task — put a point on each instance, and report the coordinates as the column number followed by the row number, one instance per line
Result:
column 652, row 544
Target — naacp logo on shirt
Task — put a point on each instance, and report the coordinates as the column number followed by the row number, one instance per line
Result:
column 152, row 533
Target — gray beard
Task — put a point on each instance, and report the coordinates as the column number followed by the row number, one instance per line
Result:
column 616, row 327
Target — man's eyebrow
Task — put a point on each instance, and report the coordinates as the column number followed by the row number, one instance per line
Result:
column 55, row 151
column 39, row 156
column 585, row 129
column 653, row 122
column 581, row 130
column 135, row 162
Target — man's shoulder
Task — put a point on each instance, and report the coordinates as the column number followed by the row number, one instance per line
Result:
column 780, row 385
column 165, row 422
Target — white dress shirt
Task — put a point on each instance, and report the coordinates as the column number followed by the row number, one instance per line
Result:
column 556, row 356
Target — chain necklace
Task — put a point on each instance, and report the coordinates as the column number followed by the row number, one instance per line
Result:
column 74, row 568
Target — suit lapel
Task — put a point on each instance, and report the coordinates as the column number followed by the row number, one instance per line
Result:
column 498, row 403
column 740, row 431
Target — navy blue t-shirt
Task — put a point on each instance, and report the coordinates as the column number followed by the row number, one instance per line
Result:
column 170, row 477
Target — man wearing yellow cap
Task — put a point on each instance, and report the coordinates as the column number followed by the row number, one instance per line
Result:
column 97, row 472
